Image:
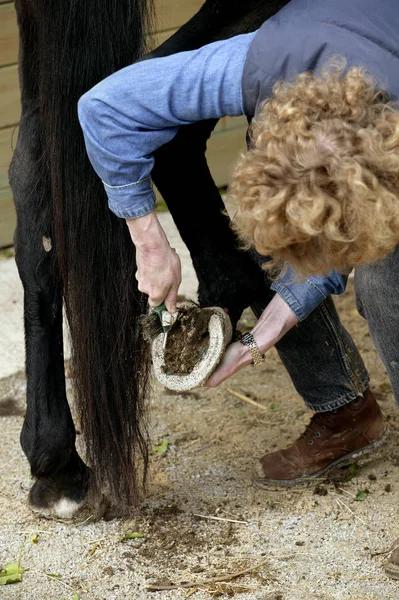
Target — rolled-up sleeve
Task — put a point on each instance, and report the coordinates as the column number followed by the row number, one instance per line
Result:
column 304, row 296
column 138, row 109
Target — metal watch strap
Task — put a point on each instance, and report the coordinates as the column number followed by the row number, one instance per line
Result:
column 249, row 341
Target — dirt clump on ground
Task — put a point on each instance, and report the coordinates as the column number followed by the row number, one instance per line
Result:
column 188, row 340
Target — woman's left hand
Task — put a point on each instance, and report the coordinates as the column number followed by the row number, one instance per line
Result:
column 274, row 322
column 235, row 358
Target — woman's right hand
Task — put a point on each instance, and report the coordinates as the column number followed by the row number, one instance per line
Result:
column 158, row 265
column 159, row 275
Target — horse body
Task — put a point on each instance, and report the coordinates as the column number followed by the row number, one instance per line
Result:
column 71, row 249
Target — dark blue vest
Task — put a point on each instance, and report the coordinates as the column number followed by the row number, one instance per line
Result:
column 306, row 34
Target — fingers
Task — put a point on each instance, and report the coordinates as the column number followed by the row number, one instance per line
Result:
column 154, row 302
column 212, row 382
column 170, row 301
column 158, row 296
column 171, row 298
column 234, row 359
column 159, row 276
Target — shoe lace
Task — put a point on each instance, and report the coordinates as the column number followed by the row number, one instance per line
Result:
column 319, row 422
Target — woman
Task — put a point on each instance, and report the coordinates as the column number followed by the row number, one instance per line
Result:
column 319, row 188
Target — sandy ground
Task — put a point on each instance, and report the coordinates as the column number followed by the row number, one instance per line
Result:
column 313, row 546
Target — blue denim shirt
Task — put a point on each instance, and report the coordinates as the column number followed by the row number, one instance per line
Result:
column 129, row 115
column 304, row 296
column 126, row 117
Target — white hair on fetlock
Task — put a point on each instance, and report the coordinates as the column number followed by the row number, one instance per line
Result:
column 66, row 508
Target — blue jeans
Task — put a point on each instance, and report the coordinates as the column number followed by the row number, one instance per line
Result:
column 377, row 300
column 320, row 355
column 322, row 360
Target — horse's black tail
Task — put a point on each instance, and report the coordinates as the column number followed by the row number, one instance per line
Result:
column 80, row 43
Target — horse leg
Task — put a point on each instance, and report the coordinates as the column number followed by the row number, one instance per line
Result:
column 217, row 20
column 227, row 276
column 48, row 433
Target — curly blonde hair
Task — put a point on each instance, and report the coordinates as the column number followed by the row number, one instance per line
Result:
column 320, row 187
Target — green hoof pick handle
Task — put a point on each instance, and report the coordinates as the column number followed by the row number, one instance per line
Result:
column 166, row 318
column 159, row 310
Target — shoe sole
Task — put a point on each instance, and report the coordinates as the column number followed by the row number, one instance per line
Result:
column 340, row 462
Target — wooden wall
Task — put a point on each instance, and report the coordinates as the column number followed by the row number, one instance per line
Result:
column 9, row 113
column 227, row 140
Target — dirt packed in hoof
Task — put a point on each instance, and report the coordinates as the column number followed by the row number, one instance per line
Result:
column 188, row 340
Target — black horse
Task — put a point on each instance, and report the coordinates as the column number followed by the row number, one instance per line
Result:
column 71, row 249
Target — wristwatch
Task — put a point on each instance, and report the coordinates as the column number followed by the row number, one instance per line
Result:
column 249, row 341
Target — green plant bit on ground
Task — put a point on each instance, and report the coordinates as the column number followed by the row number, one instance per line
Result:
column 12, row 573
column 161, row 447
column 353, row 470
column 135, row 535
column 362, row 495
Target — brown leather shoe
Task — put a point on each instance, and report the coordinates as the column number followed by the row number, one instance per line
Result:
column 392, row 566
column 331, row 439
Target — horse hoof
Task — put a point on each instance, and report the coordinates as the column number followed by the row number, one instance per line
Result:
column 61, row 498
column 198, row 343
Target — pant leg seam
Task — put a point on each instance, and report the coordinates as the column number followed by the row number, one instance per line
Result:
column 339, row 344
